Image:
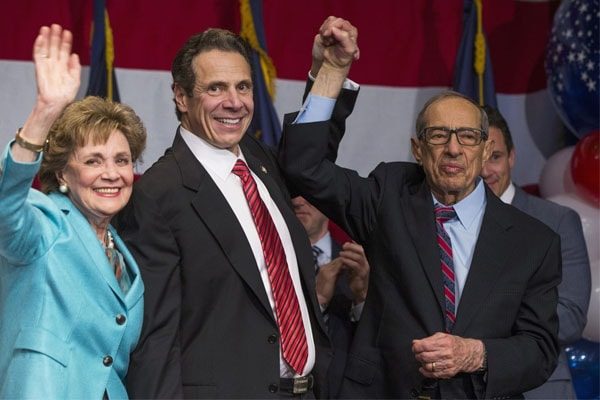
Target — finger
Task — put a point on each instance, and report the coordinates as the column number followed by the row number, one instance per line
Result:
column 353, row 247
column 431, row 356
column 74, row 67
column 65, row 45
column 352, row 255
column 41, row 43
column 55, row 34
column 352, row 265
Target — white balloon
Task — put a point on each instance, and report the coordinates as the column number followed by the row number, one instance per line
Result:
column 592, row 328
column 590, row 220
column 556, row 175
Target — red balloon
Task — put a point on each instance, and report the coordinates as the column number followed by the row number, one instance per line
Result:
column 585, row 167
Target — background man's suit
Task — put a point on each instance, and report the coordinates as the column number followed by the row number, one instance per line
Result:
column 573, row 290
column 340, row 327
column 509, row 300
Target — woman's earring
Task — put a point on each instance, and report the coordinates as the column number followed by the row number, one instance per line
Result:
column 63, row 188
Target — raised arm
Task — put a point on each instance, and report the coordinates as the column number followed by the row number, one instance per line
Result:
column 57, row 72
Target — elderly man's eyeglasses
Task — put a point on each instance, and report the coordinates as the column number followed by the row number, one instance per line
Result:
column 441, row 135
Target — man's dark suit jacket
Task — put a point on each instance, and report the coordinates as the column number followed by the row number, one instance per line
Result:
column 209, row 330
column 509, row 299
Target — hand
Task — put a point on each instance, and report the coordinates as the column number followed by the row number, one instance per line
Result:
column 355, row 262
column 57, row 70
column 334, row 32
column 443, row 355
column 326, row 279
column 57, row 73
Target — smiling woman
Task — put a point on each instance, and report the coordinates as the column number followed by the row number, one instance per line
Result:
column 71, row 302
column 90, row 155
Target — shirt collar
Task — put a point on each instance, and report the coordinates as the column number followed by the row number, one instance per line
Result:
column 325, row 244
column 470, row 207
column 219, row 161
column 509, row 194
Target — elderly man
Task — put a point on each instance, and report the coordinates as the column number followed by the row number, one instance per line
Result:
column 462, row 290
column 574, row 290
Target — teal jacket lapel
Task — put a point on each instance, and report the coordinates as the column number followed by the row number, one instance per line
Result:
column 91, row 244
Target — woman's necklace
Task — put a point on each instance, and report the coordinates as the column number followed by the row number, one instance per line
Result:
column 109, row 242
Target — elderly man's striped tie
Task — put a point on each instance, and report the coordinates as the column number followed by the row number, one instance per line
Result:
column 443, row 214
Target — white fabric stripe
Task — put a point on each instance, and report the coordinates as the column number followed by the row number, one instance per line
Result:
column 378, row 130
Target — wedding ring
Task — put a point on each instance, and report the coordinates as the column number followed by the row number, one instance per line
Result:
column 433, row 366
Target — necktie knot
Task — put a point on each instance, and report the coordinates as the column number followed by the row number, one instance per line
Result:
column 443, row 214
column 241, row 169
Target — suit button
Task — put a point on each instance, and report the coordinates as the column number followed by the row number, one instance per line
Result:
column 272, row 339
column 273, row 388
column 414, row 393
column 107, row 361
column 120, row 319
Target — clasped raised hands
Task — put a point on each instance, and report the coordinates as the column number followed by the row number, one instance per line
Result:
column 336, row 44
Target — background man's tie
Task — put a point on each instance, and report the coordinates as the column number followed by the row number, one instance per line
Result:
column 316, row 251
column 443, row 214
column 287, row 309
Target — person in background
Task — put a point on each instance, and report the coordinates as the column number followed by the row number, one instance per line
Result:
column 71, row 295
column 231, row 307
column 462, row 288
column 574, row 290
column 342, row 281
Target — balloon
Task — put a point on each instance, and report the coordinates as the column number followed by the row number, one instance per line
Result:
column 572, row 65
column 592, row 328
column 584, row 358
column 556, row 175
column 590, row 220
column 585, row 167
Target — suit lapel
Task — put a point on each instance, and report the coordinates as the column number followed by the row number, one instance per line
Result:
column 520, row 199
column 488, row 260
column 212, row 207
column 89, row 242
column 419, row 216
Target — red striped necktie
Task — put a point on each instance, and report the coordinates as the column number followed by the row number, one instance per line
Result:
column 287, row 309
column 443, row 214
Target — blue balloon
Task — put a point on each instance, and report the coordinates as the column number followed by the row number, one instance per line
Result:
column 572, row 60
column 584, row 358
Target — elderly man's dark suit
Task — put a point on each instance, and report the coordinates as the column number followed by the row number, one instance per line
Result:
column 509, row 299
column 209, row 331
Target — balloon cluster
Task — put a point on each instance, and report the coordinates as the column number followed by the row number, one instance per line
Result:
column 571, row 177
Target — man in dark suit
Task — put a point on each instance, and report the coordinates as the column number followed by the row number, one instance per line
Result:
column 574, row 290
column 342, row 279
column 461, row 307
column 230, row 303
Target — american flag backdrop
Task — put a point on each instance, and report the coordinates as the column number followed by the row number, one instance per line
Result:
column 408, row 53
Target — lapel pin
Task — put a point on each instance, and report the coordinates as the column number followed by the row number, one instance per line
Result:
column 263, row 169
